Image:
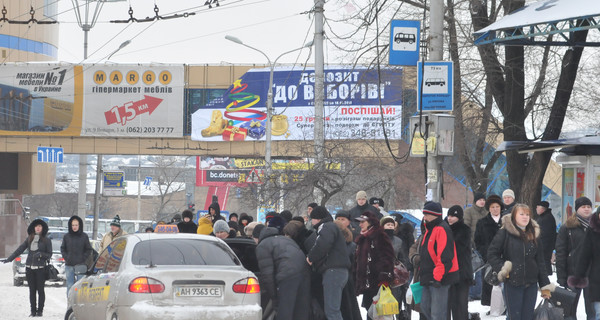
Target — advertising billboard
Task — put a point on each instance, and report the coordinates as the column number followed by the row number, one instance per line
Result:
column 355, row 100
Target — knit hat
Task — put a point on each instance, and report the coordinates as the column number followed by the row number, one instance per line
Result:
column 544, row 204
column 204, row 226
column 287, row 215
column 250, row 227
column 477, row 196
column 187, row 214
column 432, row 208
column 116, row 221
column 233, row 214
column 387, row 219
column 313, row 205
column 176, row 218
column 319, row 213
column 508, row 193
column 493, row 199
column 278, row 223
column 256, row 232
column 583, row 201
column 361, row 195
column 373, row 200
column 456, row 211
column 220, row 226
column 381, row 203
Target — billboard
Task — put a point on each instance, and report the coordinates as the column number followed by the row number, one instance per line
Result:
column 133, row 101
column 355, row 100
column 54, row 99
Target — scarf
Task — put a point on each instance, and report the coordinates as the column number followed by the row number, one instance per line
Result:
column 34, row 243
column 584, row 222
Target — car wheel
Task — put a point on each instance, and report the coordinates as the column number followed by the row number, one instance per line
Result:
column 70, row 315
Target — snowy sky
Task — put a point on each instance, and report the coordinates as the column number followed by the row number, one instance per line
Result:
column 273, row 26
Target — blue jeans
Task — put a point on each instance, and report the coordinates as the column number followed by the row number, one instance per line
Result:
column 334, row 281
column 475, row 290
column 597, row 308
column 71, row 277
column 439, row 309
column 520, row 301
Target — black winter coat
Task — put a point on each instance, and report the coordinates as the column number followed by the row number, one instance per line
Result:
column 527, row 257
column 75, row 247
column 589, row 260
column 438, row 254
column 397, row 244
column 568, row 249
column 374, row 260
column 484, row 233
column 462, row 242
column 358, row 211
column 547, row 224
column 279, row 258
column 187, row 227
column 38, row 257
column 329, row 250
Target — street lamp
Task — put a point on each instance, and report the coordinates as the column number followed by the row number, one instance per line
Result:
column 123, row 45
column 269, row 96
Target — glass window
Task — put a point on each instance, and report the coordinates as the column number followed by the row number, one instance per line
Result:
column 183, row 252
column 129, row 227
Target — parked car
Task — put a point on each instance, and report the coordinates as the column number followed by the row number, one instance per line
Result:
column 57, row 260
column 166, row 276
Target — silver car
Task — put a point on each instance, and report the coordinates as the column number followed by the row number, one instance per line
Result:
column 166, row 276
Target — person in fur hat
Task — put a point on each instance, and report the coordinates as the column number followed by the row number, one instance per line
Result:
column 40, row 251
column 187, row 225
column 589, row 264
column 516, row 254
column 569, row 243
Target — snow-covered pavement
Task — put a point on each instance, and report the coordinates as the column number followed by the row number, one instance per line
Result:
column 14, row 301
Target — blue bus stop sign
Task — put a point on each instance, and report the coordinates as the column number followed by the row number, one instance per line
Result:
column 405, row 36
column 435, row 78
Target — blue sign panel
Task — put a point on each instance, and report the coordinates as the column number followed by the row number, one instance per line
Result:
column 435, row 78
column 114, row 179
column 49, row 154
column 405, row 36
column 147, row 181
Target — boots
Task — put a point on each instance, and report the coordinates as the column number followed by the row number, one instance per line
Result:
column 217, row 125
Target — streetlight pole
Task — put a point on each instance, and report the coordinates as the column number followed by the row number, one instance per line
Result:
column 269, row 97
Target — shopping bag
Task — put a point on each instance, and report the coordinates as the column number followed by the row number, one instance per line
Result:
column 546, row 311
column 497, row 306
column 416, row 292
column 563, row 298
column 387, row 304
column 401, row 275
column 476, row 260
column 409, row 295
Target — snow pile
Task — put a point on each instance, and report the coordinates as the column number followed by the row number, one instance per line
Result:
column 148, row 310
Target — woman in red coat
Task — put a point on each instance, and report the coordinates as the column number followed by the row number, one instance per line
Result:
column 374, row 259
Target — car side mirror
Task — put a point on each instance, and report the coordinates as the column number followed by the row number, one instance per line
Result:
column 80, row 269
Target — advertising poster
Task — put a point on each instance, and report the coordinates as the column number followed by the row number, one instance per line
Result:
column 355, row 100
column 133, row 100
column 568, row 188
column 580, row 192
column 41, row 99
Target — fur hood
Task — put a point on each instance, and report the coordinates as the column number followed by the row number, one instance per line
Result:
column 512, row 229
column 572, row 222
column 80, row 231
column 31, row 227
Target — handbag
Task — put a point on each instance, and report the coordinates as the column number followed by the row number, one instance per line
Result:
column 51, row 272
column 490, row 276
column 476, row 260
column 401, row 275
column 563, row 298
column 546, row 311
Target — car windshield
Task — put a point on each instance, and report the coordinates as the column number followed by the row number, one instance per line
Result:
column 183, row 252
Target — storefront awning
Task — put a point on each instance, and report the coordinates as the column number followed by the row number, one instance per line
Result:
column 589, row 145
column 535, row 23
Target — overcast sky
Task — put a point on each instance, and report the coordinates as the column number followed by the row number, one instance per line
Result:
column 273, row 26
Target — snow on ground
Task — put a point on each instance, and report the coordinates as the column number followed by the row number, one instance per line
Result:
column 14, row 301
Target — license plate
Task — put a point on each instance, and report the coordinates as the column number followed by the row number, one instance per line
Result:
column 198, row 291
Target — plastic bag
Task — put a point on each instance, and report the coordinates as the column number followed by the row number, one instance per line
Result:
column 372, row 312
column 546, row 311
column 387, row 304
column 416, row 292
column 409, row 295
column 497, row 306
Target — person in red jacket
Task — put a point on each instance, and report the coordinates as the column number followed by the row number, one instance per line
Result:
column 439, row 265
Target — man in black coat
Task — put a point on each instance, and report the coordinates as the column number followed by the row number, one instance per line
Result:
column 75, row 249
column 362, row 205
column 284, row 274
column 458, row 302
column 547, row 223
column 330, row 257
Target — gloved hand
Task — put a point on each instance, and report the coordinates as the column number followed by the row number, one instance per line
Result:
column 436, row 284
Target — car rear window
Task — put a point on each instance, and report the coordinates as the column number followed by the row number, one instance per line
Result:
column 182, row 252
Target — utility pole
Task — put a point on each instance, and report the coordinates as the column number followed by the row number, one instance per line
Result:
column 436, row 46
column 319, row 133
